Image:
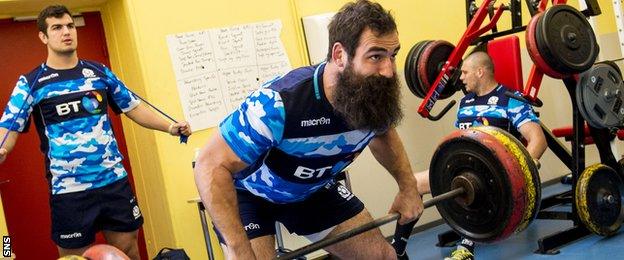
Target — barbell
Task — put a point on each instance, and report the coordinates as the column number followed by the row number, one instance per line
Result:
column 483, row 182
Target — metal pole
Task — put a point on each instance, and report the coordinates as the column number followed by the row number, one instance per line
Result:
column 202, row 216
column 204, row 223
column 366, row 227
column 348, row 181
column 278, row 237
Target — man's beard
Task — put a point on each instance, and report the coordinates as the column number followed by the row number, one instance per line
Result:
column 368, row 102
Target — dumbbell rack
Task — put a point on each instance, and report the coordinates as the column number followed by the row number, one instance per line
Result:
column 574, row 159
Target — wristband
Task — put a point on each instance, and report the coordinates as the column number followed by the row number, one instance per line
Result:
column 170, row 127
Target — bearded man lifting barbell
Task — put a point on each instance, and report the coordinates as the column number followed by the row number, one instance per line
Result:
column 275, row 158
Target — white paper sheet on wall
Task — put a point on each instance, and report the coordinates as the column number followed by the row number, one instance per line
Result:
column 216, row 69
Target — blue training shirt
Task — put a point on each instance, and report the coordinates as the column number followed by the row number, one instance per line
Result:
column 292, row 140
column 494, row 109
column 69, row 108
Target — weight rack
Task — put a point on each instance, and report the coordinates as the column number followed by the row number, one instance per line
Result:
column 574, row 159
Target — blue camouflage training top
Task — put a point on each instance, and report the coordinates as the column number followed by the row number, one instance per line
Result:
column 291, row 138
column 69, row 108
column 494, row 109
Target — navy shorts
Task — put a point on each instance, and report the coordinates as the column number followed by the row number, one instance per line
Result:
column 328, row 207
column 77, row 216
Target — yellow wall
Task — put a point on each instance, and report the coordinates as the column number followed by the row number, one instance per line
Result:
column 143, row 144
column 135, row 33
column 606, row 21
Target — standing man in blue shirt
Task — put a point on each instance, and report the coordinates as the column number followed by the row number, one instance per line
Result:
column 68, row 100
column 276, row 156
column 486, row 104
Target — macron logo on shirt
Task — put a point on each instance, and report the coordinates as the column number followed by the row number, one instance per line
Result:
column 315, row 122
column 51, row 76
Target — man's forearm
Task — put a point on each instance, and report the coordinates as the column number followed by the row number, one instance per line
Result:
column 535, row 150
column 536, row 142
column 389, row 152
column 10, row 140
column 404, row 177
column 219, row 197
column 148, row 119
column 402, row 174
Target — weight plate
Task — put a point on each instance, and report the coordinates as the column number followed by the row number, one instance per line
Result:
column 500, row 204
column 566, row 40
column 598, row 197
column 600, row 96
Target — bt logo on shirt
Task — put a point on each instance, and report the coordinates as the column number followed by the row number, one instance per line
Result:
column 477, row 122
column 466, row 125
column 91, row 102
column 307, row 173
column 66, row 108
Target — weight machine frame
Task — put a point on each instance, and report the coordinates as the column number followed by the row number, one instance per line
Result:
column 574, row 159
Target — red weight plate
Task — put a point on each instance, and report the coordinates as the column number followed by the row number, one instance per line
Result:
column 527, row 168
column 430, row 63
column 533, row 49
column 501, row 204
